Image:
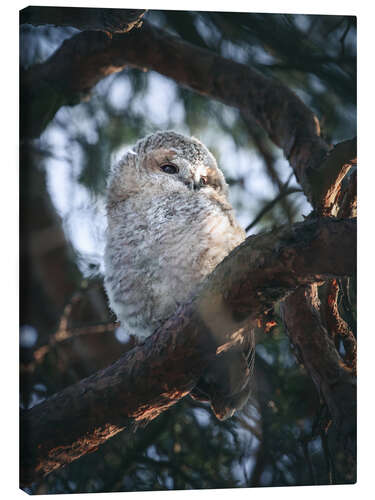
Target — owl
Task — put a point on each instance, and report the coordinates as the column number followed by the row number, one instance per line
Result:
column 169, row 225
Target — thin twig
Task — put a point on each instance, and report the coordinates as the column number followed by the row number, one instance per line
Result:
column 343, row 36
column 271, row 204
column 327, row 456
column 305, row 449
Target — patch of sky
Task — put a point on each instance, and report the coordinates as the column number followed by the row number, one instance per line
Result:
column 35, row 399
column 28, row 336
column 235, row 52
column 351, row 40
column 40, row 387
column 317, row 84
column 284, row 464
column 59, row 184
column 209, row 33
column 262, row 352
column 159, row 104
column 85, row 228
column 122, row 335
column 152, row 453
column 120, row 92
column 37, row 43
column 260, row 56
column 83, row 217
column 72, row 485
column 302, row 21
column 203, row 416
column 252, row 413
column 286, row 357
column 169, row 483
column 250, row 443
column 266, row 476
column 315, row 445
column 306, row 425
column 342, row 348
column 242, row 470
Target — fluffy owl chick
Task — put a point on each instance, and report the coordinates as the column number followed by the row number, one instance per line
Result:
column 169, row 225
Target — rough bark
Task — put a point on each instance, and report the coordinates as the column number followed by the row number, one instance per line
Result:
column 334, row 379
column 327, row 180
column 110, row 20
column 155, row 375
column 312, row 325
column 330, row 374
column 77, row 66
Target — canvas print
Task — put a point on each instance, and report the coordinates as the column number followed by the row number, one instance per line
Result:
column 187, row 250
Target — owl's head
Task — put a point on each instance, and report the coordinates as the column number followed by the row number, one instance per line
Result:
column 166, row 162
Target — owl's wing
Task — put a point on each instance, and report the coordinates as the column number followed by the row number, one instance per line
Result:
column 227, row 381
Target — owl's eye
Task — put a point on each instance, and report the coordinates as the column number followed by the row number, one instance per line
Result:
column 168, row 168
column 203, row 181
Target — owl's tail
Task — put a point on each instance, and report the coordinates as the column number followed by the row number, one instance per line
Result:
column 227, row 382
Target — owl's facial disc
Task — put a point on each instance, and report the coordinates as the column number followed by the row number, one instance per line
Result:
column 195, row 173
column 192, row 180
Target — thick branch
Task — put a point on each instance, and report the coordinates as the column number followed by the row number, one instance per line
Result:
column 336, row 326
column 333, row 192
column 88, row 57
column 111, row 20
column 334, row 379
column 81, row 62
column 326, row 180
column 318, row 351
column 152, row 377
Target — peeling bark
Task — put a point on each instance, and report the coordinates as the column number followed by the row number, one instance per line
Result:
column 327, row 180
column 155, row 375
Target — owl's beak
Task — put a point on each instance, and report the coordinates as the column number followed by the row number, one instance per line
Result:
column 193, row 185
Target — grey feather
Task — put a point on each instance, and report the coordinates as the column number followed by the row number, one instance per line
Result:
column 169, row 225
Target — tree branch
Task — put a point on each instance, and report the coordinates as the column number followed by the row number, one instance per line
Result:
column 333, row 189
column 335, row 381
column 262, row 146
column 155, row 375
column 82, row 61
column 88, row 57
column 269, row 206
column 325, row 181
column 110, row 20
column 318, row 351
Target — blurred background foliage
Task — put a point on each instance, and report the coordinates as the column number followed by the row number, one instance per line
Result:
column 278, row 438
